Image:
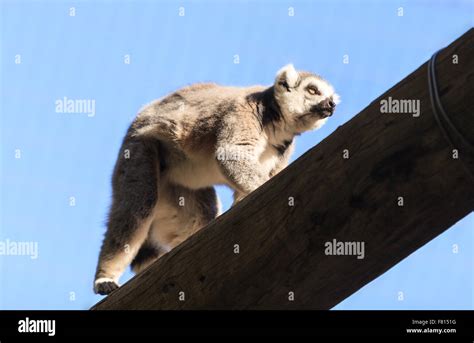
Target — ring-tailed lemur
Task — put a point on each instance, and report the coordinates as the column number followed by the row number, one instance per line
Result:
column 178, row 147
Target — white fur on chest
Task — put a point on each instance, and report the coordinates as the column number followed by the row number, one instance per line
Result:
column 197, row 173
column 204, row 171
column 268, row 159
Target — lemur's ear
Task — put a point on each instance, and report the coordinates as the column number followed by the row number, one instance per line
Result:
column 287, row 76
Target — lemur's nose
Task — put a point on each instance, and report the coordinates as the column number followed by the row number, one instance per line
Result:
column 332, row 104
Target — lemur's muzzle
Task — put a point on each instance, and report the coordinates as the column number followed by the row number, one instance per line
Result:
column 325, row 108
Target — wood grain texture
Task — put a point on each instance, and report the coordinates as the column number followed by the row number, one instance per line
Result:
column 282, row 247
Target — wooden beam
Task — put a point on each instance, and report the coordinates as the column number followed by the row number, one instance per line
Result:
column 282, row 247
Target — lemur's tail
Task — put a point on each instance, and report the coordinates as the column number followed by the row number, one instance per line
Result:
column 135, row 193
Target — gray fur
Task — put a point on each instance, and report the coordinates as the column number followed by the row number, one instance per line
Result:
column 197, row 137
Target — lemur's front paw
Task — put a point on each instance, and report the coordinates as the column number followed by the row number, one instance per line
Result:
column 104, row 286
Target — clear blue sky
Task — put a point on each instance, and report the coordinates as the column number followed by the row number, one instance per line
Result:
column 82, row 57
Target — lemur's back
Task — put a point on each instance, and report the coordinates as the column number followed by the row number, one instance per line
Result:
column 203, row 98
column 189, row 116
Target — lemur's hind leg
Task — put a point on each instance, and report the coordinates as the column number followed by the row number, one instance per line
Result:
column 149, row 252
column 201, row 206
column 180, row 212
column 135, row 193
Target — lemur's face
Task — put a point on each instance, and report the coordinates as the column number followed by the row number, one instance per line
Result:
column 305, row 99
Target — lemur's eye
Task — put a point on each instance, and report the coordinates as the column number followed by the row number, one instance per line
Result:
column 313, row 90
